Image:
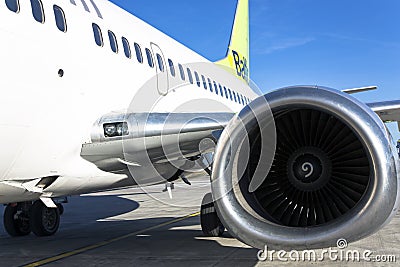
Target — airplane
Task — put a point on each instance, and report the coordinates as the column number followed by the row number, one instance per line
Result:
column 97, row 99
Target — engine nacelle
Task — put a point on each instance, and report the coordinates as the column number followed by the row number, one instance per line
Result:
column 334, row 173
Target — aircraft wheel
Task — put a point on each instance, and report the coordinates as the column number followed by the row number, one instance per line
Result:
column 210, row 223
column 16, row 221
column 44, row 221
column 60, row 209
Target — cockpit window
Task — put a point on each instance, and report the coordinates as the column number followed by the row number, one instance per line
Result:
column 13, row 5
column 37, row 10
column 98, row 37
column 60, row 18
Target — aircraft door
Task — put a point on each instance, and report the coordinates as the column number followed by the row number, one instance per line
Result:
column 161, row 69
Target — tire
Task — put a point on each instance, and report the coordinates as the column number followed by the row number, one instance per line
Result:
column 16, row 226
column 44, row 221
column 60, row 209
column 210, row 223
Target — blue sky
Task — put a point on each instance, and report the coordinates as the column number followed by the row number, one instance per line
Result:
column 335, row 43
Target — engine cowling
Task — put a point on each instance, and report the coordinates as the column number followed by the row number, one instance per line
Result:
column 334, row 172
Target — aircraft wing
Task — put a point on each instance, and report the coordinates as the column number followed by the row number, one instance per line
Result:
column 359, row 90
column 387, row 110
column 152, row 138
column 162, row 138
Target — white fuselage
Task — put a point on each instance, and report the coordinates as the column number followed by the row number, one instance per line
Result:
column 45, row 118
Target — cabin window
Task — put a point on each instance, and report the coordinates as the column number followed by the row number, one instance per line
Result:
column 149, row 58
column 215, row 87
column 59, row 15
column 190, row 75
column 127, row 47
column 37, row 10
column 204, row 82
column 171, row 67
column 113, row 41
column 234, row 96
column 241, row 97
column 160, row 62
column 210, row 84
column 230, row 94
column 226, row 92
column 138, row 51
column 13, row 5
column 221, row 91
column 98, row 37
column 197, row 78
column 182, row 72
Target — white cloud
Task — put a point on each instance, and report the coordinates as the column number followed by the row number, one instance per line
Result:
column 283, row 44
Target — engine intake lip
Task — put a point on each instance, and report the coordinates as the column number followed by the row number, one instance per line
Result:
column 375, row 208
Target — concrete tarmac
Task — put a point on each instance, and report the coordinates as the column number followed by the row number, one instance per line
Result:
column 133, row 227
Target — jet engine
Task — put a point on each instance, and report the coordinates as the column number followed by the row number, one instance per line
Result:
column 333, row 172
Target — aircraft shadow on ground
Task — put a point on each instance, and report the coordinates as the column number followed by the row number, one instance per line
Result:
column 82, row 224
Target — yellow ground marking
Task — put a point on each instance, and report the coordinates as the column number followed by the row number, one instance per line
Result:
column 104, row 243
